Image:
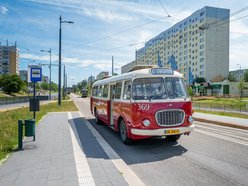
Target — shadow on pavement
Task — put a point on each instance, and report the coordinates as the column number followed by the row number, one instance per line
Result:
column 141, row 151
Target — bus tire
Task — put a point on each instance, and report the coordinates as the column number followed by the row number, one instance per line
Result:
column 173, row 137
column 98, row 121
column 123, row 133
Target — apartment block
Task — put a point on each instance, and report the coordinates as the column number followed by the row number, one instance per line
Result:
column 9, row 60
column 197, row 46
column 91, row 79
column 102, row 75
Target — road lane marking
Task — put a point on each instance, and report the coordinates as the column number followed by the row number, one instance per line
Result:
column 242, row 131
column 83, row 170
column 223, row 132
column 128, row 174
column 220, row 136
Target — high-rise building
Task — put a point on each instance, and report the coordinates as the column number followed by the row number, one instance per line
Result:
column 197, row 46
column 9, row 60
column 91, row 79
column 102, row 75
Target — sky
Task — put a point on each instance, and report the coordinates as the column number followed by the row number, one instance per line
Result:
column 102, row 29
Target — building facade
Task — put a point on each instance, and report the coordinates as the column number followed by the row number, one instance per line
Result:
column 238, row 74
column 9, row 60
column 45, row 79
column 102, row 75
column 91, row 79
column 197, row 46
column 24, row 75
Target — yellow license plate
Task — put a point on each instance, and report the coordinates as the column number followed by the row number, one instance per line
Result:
column 176, row 131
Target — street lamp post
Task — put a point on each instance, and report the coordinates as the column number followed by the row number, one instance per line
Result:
column 60, row 22
column 50, row 81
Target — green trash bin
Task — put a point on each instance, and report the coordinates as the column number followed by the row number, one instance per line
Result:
column 29, row 127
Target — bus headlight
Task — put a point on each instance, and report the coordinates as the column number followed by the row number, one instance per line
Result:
column 146, row 122
column 190, row 119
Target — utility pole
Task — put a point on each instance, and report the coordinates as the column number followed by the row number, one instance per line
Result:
column 112, row 65
column 50, row 68
column 59, row 84
column 64, row 84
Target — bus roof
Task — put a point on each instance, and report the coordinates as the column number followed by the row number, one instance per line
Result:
column 138, row 74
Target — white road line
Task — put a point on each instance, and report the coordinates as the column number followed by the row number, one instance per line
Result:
column 130, row 177
column 221, row 127
column 83, row 170
column 223, row 132
column 220, row 136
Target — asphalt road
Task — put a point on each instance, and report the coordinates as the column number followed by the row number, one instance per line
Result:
column 211, row 155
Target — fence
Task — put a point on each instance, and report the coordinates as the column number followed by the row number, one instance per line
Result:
column 238, row 108
column 24, row 99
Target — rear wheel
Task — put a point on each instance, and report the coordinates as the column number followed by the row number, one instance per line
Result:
column 123, row 133
column 98, row 121
column 173, row 137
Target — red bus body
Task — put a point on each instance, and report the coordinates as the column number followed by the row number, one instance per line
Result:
column 165, row 116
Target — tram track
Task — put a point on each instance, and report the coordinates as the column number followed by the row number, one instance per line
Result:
column 226, row 133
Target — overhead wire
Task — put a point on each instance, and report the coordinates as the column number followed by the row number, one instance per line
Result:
column 214, row 24
column 117, row 33
column 211, row 26
column 164, row 8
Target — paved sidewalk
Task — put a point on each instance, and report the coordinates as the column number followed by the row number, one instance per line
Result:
column 222, row 120
column 50, row 160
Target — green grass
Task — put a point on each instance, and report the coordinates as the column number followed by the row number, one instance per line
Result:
column 223, row 103
column 231, row 114
column 9, row 120
column 2, row 94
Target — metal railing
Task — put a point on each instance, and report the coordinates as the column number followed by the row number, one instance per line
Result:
column 238, row 108
column 23, row 99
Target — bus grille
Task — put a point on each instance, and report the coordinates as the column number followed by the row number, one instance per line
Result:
column 170, row 117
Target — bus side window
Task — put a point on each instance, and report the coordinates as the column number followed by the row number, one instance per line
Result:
column 105, row 91
column 113, row 92
column 118, row 90
column 127, row 90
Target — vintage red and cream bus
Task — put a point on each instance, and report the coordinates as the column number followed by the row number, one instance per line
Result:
column 143, row 103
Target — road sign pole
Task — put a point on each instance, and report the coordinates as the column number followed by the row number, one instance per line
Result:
column 34, row 100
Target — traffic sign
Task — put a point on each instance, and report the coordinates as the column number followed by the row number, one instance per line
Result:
column 34, row 73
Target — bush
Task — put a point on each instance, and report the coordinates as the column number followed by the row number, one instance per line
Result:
column 11, row 83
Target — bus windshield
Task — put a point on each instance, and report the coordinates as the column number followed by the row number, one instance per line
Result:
column 158, row 88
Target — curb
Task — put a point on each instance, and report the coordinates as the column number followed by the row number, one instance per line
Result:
column 221, row 123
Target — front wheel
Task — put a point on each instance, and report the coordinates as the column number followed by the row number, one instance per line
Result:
column 173, row 137
column 123, row 133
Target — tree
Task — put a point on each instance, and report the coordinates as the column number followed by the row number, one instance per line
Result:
column 45, row 86
column 191, row 93
column 241, row 87
column 54, row 87
column 82, row 85
column 11, row 83
column 199, row 80
column 231, row 78
column 246, row 76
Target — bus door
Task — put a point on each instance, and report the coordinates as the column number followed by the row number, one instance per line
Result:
column 111, row 108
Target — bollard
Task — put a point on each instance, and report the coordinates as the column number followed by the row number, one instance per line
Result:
column 20, row 134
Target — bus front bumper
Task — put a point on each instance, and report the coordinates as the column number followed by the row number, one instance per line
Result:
column 162, row 132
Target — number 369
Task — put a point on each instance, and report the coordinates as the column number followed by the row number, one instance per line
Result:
column 143, row 106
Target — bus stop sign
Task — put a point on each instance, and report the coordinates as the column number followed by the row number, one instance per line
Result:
column 35, row 73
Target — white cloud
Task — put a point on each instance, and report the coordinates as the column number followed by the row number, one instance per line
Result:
column 107, row 15
column 238, row 55
column 238, row 29
column 3, row 10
